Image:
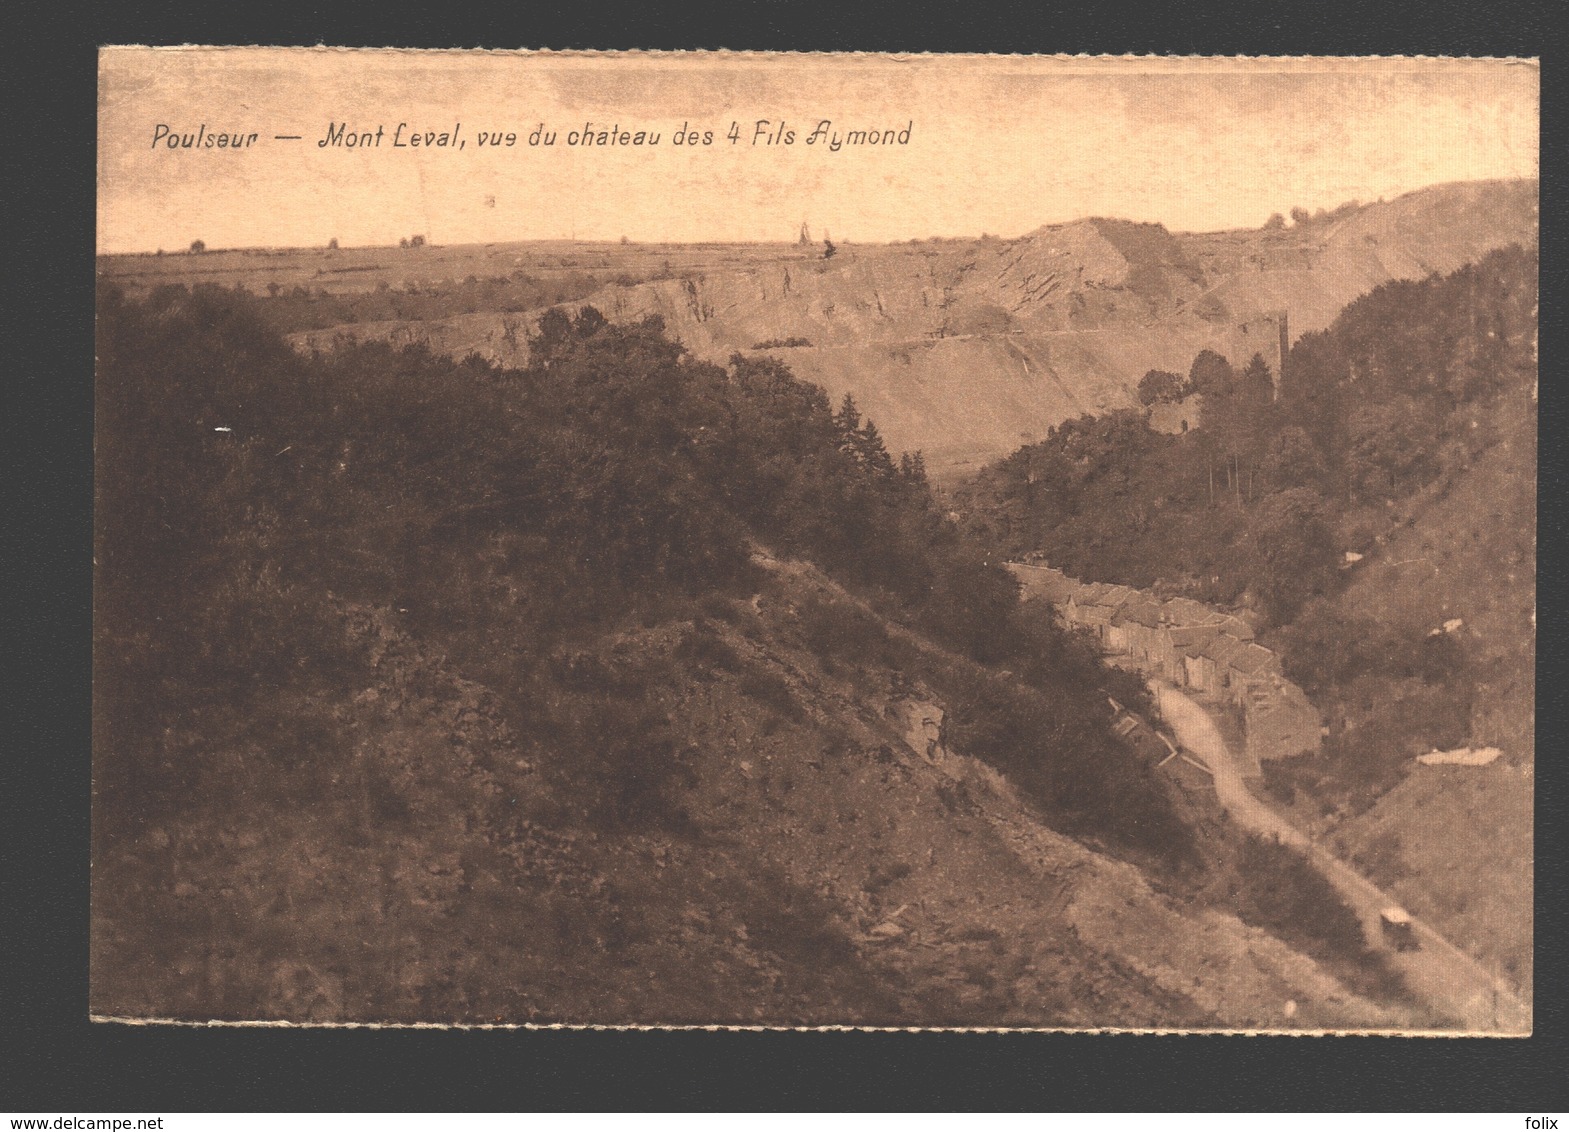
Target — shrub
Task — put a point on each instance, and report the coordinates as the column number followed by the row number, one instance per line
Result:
column 841, row 631
column 1281, row 891
column 768, row 689
column 1056, row 747
column 705, row 647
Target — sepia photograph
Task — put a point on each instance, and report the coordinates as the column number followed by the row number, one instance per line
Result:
column 771, row 540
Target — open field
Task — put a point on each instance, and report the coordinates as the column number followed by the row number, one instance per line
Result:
column 344, row 271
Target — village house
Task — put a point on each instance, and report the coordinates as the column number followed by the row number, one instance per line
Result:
column 1115, row 632
column 1186, row 611
column 1095, row 605
column 1138, row 629
column 1078, row 600
column 1248, row 665
column 1210, row 664
column 1191, row 645
column 1279, row 721
column 1044, row 582
column 1234, row 627
column 1194, row 667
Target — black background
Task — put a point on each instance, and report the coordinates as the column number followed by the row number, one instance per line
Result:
column 59, row 1062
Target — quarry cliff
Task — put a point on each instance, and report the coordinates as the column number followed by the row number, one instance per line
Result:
column 965, row 349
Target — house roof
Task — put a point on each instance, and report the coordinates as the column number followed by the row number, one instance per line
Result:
column 1251, row 658
column 1045, row 582
column 1220, row 648
column 1193, row 637
column 1139, row 612
column 1296, row 699
column 1116, row 595
column 1235, row 627
column 1186, row 611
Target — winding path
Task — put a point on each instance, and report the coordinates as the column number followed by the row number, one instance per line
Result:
column 1452, row 984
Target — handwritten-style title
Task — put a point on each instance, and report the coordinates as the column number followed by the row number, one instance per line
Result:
column 824, row 135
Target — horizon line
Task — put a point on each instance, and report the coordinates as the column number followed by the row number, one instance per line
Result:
column 621, row 240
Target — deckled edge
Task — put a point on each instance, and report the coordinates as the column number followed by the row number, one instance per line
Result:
column 759, row 53
column 1117, row 1031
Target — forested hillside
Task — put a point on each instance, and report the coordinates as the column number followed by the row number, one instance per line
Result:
column 431, row 690
column 612, row 475
column 1408, row 386
column 620, row 688
column 1377, row 516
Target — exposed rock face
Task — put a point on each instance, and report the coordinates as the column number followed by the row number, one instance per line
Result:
column 923, row 728
column 966, row 349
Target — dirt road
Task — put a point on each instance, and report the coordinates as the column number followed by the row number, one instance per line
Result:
column 1451, row 983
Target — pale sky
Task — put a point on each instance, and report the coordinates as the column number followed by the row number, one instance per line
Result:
column 999, row 144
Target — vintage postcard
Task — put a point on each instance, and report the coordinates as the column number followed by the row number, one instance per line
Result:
column 723, row 539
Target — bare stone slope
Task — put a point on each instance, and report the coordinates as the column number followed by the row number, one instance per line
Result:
column 966, row 349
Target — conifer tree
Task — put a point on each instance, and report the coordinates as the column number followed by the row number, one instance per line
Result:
column 847, row 423
column 871, row 450
column 1258, row 383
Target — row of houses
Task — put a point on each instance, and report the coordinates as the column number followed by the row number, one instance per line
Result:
column 1193, row 646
